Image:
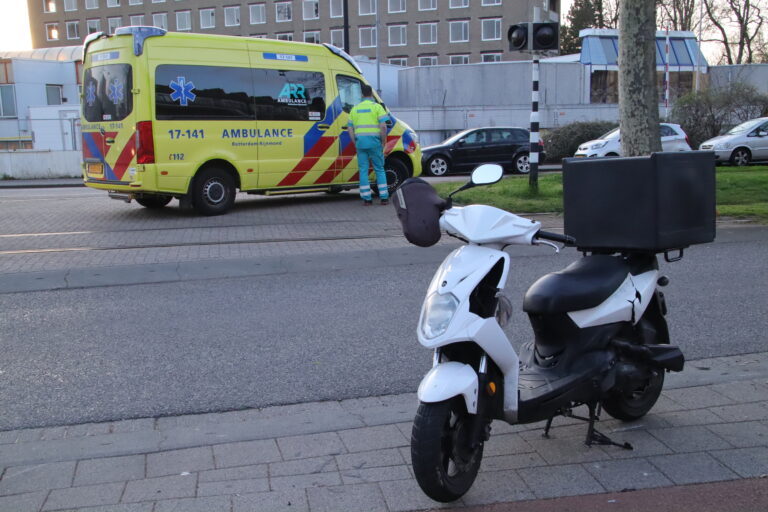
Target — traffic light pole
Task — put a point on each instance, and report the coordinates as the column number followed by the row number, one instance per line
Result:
column 533, row 154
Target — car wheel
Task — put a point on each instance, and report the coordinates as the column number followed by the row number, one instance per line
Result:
column 521, row 164
column 213, row 192
column 741, row 157
column 437, row 166
column 611, row 154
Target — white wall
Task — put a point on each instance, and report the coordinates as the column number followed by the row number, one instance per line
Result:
column 27, row 164
column 56, row 127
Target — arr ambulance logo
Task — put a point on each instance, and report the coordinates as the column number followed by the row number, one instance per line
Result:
column 293, row 94
column 182, row 91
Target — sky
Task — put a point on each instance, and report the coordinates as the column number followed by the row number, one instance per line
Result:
column 14, row 25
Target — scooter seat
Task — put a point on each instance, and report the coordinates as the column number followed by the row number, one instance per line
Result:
column 583, row 284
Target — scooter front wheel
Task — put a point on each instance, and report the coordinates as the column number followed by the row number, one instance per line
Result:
column 444, row 456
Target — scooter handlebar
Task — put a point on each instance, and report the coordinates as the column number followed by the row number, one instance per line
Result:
column 556, row 237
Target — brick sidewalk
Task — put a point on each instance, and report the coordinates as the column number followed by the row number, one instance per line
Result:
column 711, row 424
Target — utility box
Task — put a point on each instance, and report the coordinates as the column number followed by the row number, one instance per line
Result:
column 658, row 203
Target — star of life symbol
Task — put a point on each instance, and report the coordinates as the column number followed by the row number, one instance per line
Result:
column 182, row 91
column 115, row 93
column 90, row 94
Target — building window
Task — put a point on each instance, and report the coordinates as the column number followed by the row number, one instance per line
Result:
column 285, row 36
column 312, row 37
column 428, row 60
column 7, row 101
column 91, row 4
column 232, row 16
column 459, row 59
column 158, row 1
column 396, row 6
column 427, row 5
column 399, row 61
column 458, row 4
column 49, row 5
column 311, row 9
column 283, row 11
column 53, row 93
column 52, row 31
column 337, row 37
column 160, row 19
column 490, row 2
column 207, row 18
column 492, row 57
column 93, row 25
column 135, row 2
column 70, row 5
column 491, row 29
column 459, row 31
column 259, row 36
column 397, row 35
column 113, row 24
column 604, row 87
column 337, row 8
column 136, row 20
column 183, row 20
column 367, row 37
column 73, row 30
column 366, row 7
column 427, row 33
column 113, row 3
column 258, row 13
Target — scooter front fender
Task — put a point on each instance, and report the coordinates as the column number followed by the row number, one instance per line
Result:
column 447, row 380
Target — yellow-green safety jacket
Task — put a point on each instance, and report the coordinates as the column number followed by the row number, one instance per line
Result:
column 366, row 116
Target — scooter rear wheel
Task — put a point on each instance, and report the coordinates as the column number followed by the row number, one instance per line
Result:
column 444, row 462
column 634, row 404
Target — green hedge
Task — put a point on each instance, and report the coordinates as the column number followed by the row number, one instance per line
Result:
column 564, row 141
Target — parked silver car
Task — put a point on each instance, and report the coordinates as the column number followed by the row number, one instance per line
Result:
column 741, row 144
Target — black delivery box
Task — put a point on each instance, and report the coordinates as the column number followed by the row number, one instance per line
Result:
column 658, row 203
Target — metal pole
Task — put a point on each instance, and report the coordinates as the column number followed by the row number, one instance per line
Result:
column 378, row 57
column 698, row 43
column 666, row 78
column 346, row 26
column 533, row 154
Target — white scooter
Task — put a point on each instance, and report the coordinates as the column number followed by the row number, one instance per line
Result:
column 601, row 338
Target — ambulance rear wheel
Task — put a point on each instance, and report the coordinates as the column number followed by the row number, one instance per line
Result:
column 153, row 202
column 213, row 192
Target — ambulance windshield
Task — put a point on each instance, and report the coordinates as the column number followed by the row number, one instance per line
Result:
column 107, row 93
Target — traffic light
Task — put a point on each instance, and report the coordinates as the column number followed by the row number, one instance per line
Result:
column 545, row 36
column 518, row 37
column 530, row 36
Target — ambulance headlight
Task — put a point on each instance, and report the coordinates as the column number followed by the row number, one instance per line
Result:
column 438, row 312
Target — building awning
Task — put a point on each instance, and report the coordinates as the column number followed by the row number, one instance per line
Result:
column 600, row 47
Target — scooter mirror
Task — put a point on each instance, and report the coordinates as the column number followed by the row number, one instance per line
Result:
column 487, row 174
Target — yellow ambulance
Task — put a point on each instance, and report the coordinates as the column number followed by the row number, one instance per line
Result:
column 197, row 117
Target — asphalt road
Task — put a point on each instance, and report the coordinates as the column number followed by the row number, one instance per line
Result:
column 108, row 353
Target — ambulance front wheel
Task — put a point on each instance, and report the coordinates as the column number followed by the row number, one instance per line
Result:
column 396, row 172
column 213, row 191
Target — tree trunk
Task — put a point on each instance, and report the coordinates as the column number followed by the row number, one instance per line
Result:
column 638, row 96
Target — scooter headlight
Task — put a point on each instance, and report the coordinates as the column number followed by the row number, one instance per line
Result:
column 438, row 312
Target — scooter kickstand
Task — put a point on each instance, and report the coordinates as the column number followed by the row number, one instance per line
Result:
column 596, row 437
column 547, row 427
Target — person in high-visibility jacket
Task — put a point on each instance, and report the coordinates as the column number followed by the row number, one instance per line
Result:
column 368, row 129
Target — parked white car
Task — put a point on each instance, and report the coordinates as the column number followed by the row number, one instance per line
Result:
column 673, row 138
column 741, row 144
